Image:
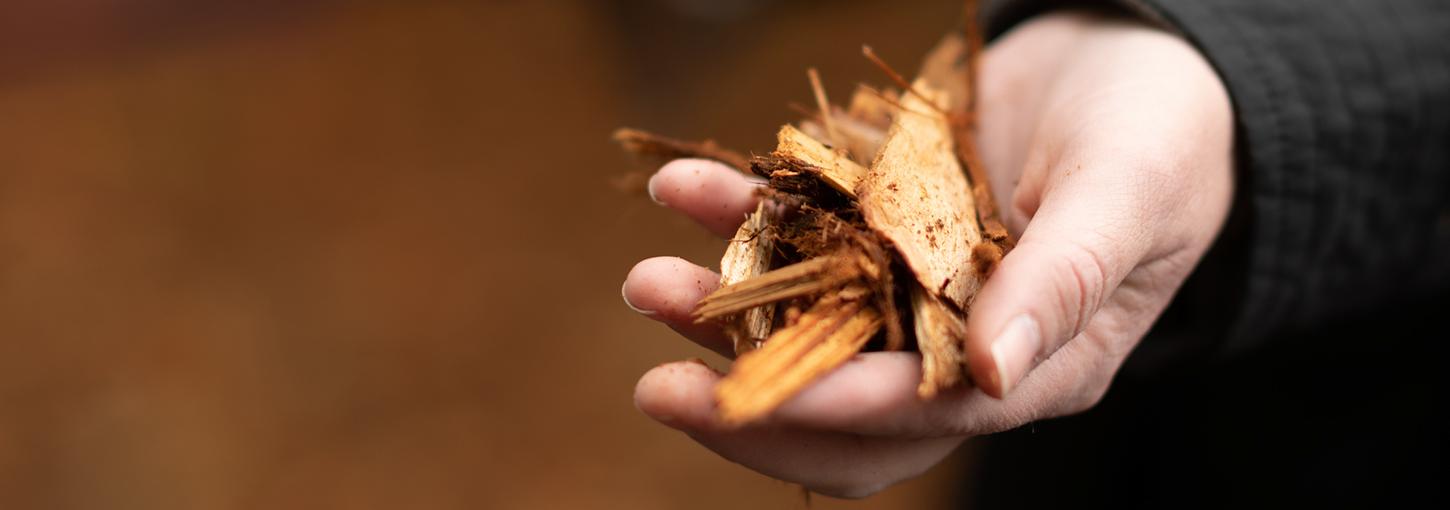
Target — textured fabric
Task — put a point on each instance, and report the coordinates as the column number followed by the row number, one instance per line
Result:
column 1343, row 117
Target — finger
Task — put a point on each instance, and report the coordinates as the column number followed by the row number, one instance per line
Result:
column 709, row 192
column 1084, row 238
column 681, row 396
column 666, row 289
column 875, row 395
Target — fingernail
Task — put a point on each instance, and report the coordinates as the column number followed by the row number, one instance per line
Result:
column 623, row 294
column 1014, row 350
column 650, row 187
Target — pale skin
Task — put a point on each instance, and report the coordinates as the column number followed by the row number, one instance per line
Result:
column 1109, row 145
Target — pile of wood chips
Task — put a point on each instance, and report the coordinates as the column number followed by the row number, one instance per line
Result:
column 871, row 211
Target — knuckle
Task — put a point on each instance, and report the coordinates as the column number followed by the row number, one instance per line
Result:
column 1085, row 275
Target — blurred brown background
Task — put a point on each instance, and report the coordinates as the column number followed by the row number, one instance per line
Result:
column 367, row 254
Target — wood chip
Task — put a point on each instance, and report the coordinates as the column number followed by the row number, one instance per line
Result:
column 812, row 156
column 945, row 70
column 950, row 67
column 806, row 278
column 862, row 139
column 748, row 256
column 823, row 338
column 917, row 196
column 874, row 108
column 941, row 336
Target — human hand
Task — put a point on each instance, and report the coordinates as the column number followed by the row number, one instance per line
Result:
column 1109, row 144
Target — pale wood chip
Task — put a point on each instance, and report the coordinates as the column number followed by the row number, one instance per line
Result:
column 748, row 256
column 806, row 278
column 941, row 337
column 862, row 140
column 949, row 67
column 917, row 196
column 945, row 69
column 873, row 108
column 833, row 168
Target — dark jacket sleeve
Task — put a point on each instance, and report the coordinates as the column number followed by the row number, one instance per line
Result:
column 1343, row 122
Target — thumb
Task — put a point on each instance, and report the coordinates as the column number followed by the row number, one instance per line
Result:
column 1073, row 254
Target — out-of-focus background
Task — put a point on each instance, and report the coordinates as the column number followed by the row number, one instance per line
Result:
column 367, row 254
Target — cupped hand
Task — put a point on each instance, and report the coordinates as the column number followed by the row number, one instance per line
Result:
column 1109, row 147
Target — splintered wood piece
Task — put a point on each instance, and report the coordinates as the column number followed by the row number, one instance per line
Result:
column 823, row 338
column 830, row 166
column 801, row 279
column 748, row 256
column 950, row 67
column 824, row 105
column 930, row 102
column 658, row 150
column 945, row 69
column 862, row 139
column 916, row 196
column 873, row 107
column 941, row 337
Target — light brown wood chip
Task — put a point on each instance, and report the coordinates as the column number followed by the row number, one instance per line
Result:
column 940, row 336
column 832, row 167
column 917, row 196
column 822, row 338
column 945, row 70
column 875, row 108
column 796, row 280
